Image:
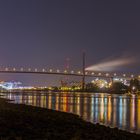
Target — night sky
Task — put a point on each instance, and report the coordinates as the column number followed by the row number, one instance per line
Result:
column 44, row 33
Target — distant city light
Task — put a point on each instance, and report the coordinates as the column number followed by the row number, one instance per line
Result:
column 133, row 88
column 9, row 85
column 124, row 75
column 101, row 83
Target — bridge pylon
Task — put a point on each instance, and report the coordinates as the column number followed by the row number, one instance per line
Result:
column 83, row 69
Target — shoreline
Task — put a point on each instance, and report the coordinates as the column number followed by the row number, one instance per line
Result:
column 28, row 122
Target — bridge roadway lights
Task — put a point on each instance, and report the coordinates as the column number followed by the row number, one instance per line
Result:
column 43, row 70
column 78, row 73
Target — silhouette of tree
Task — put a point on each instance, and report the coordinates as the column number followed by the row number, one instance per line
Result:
column 119, row 87
column 134, row 85
column 91, row 87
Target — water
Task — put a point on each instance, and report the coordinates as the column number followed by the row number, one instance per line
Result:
column 111, row 110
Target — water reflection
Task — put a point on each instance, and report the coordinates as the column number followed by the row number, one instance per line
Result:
column 111, row 110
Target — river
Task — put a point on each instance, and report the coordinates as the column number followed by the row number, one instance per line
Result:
column 114, row 110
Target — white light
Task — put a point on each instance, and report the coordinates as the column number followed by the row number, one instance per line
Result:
column 107, row 74
column 65, row 71
column 43, row 70
column 132, row 75
column 116, row 79
column 124, row 75
column 50, row 70
column 6, row 69
column 21, row 69
column 79, row 72
column 99, row 74
column 121, row 79
column 72, row 71
column 115, row 74
column 35, row 70
column 29, row 69
column 86, row 72
column 14, row 69
column 58, row 71
column 133, row 88
column 100, row 83
column 92, row 73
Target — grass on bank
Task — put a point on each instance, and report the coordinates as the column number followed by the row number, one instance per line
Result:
column 34, row 123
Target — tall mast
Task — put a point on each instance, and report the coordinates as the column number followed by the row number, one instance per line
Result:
column 83, row 69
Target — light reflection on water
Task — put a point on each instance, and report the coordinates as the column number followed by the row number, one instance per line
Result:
column 112, row 110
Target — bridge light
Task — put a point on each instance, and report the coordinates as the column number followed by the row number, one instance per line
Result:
column 99, row 74
column 6, row 69
column 65, row 71
column 107, row 74
column 36, row 70
column 14, row 69
column 43, row 70
column 72, row 71
column 50, row 70
column 21, row 69
column 29, row 69
column 79, row 72
column 86, row 72
column 115, row 74
column 57, row 71
column 92, row 73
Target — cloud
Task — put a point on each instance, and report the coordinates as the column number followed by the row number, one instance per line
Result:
column 111, row 65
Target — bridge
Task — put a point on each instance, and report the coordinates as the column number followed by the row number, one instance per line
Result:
column 83, row 73
column 68, row 73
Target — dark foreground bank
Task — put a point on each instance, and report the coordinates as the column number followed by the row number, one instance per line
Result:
column 31, row 123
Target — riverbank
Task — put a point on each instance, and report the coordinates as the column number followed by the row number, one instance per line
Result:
column 34, row 123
